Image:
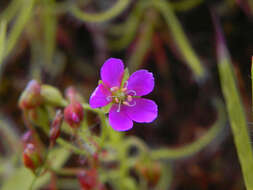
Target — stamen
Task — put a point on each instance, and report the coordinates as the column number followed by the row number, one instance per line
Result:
column 129, row 98
column 115, row 88
column 124, row 89
column 126, row 103
column 132, row 105
column 125, row 84
column 116, row 100
column 131, row 91
column 118, row 110
column 109, row 98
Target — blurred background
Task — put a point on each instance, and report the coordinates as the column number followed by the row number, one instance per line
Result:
column 64, row 43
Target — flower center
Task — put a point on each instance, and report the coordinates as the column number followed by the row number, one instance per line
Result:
column 122, row 96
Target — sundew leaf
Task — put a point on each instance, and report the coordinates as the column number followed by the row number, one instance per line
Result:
column 23, row 177
column 22, row 19
column 128, row 30
column 167, row 175
column 113, row 12
column 50, row 25
column 196, row 146
column 9, row 12
column 125, row 77
column 106, row 108
column 143, row 45
column 185, row 5
column 9, row 136
column 252, row 82
column 2, row 40
column 180, row 38
column 235, row 108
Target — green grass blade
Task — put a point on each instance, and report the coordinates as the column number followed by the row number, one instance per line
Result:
column 180, row 38
column 235, row 109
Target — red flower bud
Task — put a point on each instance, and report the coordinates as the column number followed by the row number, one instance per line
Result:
column 30, row 98
column 88, row 179
column 71, row 93
column 27, row 137
column 31, row 157
column 73, row 114
column 56, row 126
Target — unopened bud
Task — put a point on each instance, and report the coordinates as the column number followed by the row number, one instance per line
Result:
column 73, row 114
column 56, row 126
column 31, row 157
column 72, row 94
column 30, row 97
column 27, row 137
column 52, row 95
column 88, row 179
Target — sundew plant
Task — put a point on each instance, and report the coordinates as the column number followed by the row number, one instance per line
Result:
column 126, row 94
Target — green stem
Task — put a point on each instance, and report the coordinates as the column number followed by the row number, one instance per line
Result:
column 69, row 146
column 198, row 145
column 87, row 107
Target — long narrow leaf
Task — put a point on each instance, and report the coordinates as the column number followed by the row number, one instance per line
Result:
column 196, row 146
column 2, row 40
column 113, row 12
column 235, row 109
column 19, row 25
column 180, row 38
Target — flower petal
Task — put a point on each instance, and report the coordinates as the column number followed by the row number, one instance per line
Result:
column 99, row 97
column 145, row 110
column 119, row 120
column 142, row 82
column 112, row 72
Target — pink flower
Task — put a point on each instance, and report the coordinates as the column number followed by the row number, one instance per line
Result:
column 127, row 104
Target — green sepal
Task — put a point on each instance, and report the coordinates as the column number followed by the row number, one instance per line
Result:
column 52, row 96
column 106, row 108
column 125, row 77
column 100, row 82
